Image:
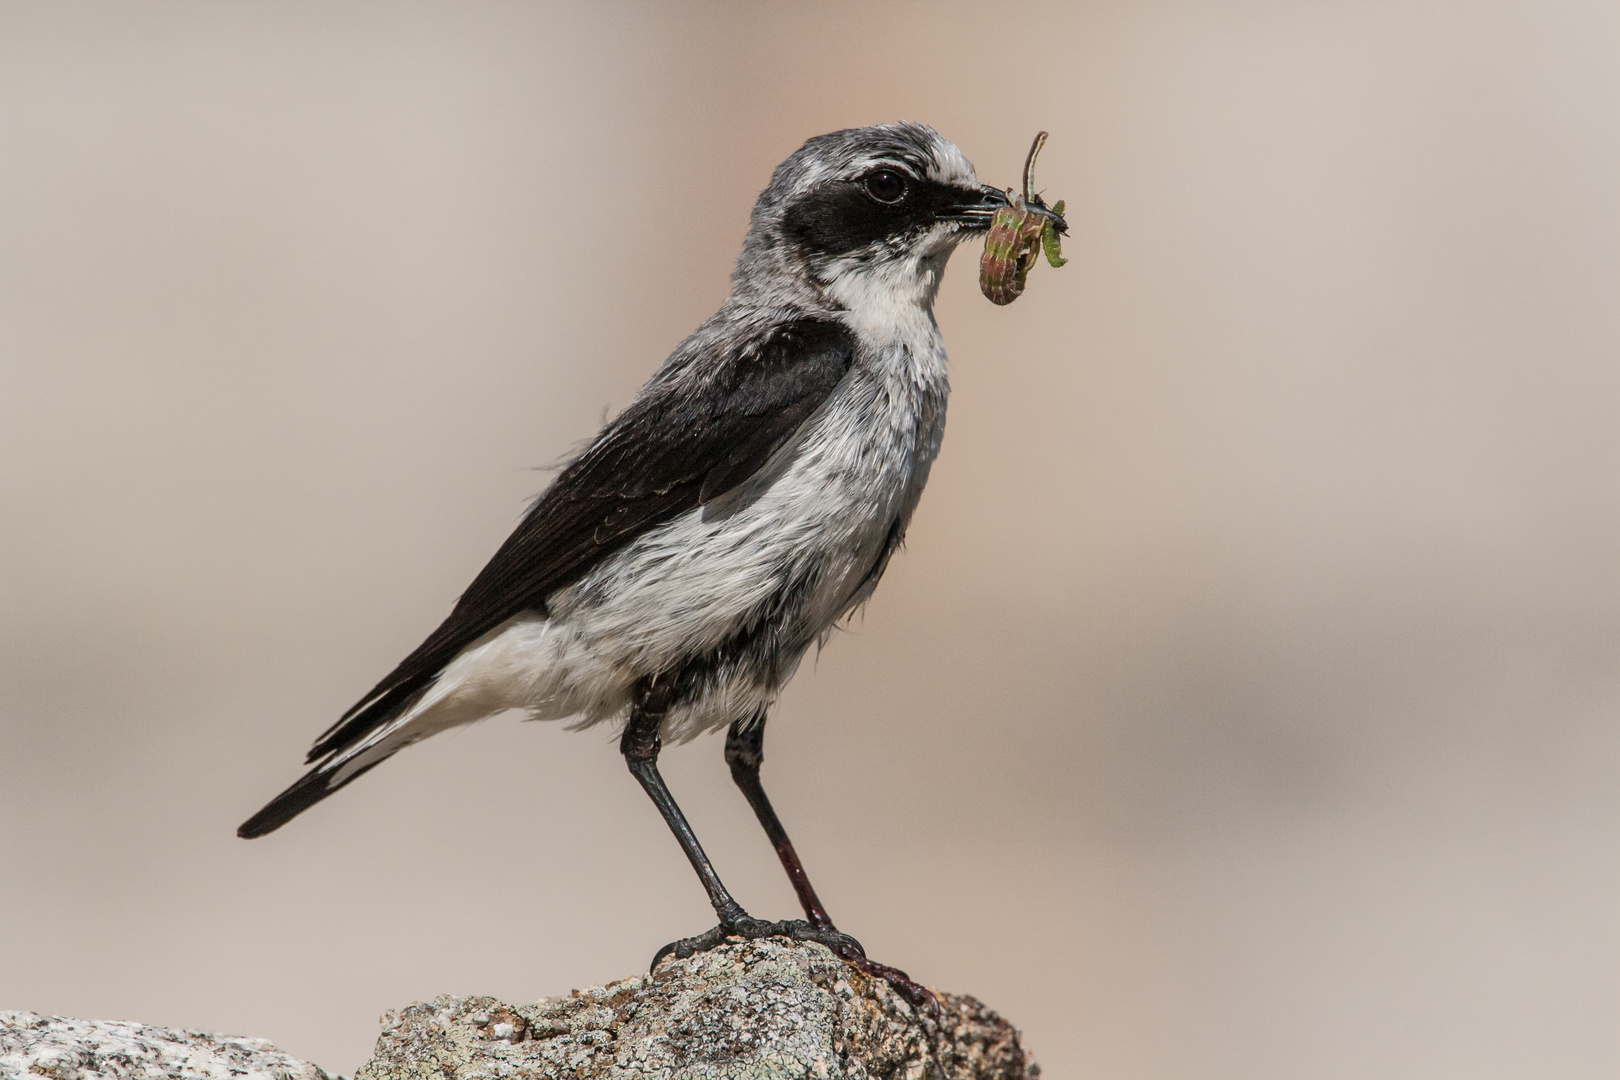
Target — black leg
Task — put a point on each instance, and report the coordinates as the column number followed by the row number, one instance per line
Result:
column 640, row 745
column 745, row 752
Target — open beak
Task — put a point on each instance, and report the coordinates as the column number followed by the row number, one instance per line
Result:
column 977, row 213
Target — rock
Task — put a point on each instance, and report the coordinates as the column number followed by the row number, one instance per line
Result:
column 760, row 1010
column 56, row 1048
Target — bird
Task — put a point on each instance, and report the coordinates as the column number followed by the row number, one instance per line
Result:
column 743, row 504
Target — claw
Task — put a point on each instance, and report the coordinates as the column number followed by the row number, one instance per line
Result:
column 751, row 929
column 842, row 946
column 687, row 946
column 920, row 997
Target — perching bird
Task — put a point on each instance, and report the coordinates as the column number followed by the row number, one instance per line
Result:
column 749, row 498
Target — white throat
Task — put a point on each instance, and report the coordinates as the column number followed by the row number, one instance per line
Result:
column 891, row 300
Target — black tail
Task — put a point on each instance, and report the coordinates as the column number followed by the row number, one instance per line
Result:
column 310, row 789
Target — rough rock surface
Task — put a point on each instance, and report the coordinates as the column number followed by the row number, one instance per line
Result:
column 762, row 1010
column 33, row 1046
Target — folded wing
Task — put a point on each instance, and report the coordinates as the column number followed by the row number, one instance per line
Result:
column 685, row 440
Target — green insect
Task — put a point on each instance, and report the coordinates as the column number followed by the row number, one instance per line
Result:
column 1018, row 234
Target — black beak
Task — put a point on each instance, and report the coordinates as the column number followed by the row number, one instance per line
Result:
column 977, row 213
column 1036, row 206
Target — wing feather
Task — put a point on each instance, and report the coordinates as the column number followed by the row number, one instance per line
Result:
column 671, row 450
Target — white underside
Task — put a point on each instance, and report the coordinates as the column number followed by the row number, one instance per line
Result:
column 684, row 588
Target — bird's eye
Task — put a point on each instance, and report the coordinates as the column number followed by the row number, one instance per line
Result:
column 885, row 185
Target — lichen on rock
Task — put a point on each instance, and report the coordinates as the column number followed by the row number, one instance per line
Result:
column 56, row 1048
column 759, row 1010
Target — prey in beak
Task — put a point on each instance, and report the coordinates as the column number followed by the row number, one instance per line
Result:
column 1019, row 231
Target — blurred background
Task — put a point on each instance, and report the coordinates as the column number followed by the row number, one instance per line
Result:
column 1243, row 706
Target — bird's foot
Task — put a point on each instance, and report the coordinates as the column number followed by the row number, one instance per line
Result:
column 751, row 929
column 842, row 945
column 921, row 998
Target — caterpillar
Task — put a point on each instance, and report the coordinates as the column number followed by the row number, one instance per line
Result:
column 1019, row 233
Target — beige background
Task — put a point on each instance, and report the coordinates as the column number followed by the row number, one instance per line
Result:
column 1244, row 706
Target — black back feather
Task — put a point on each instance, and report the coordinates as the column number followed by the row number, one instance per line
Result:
column 674, row 448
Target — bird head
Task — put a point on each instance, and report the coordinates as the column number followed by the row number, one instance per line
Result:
column 866, row 217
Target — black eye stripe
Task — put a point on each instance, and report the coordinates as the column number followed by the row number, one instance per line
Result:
column 842, row 216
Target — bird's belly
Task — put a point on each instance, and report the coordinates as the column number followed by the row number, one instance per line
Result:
column 791, row 556
column 755, row 577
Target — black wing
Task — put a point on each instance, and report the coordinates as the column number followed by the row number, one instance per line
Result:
column 667, row 453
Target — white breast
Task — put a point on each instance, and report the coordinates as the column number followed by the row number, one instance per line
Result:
column 683, row 589
column 678, row 592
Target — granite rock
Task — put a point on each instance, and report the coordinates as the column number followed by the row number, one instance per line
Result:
column 34, row 1047
column 761, row 1010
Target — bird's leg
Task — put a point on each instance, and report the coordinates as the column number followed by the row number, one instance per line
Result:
column 745, row 752
column 640, row 745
